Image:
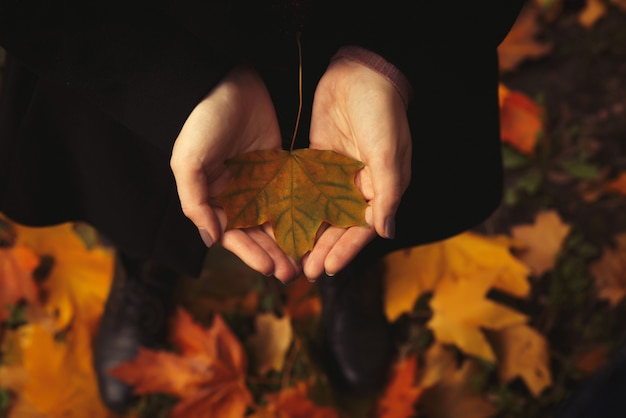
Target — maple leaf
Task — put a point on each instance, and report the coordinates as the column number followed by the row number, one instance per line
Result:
column 460, row 309
column 208, row 375
column 543, row 240
column 270, row 341
column 79, row 279
column 17, row 264
column 609, row 272
column 401, row 393
column 51, row 378
column 411, row 272
column 521, row 42
column 458, row 395
column 296, row 192
column 293, row 402
column 520, row 120
column 523, row 352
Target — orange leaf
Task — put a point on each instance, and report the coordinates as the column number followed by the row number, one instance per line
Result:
column 520, row 120
column 16, row 282
column 543, row 240
column 617, row 185
column 296, row 192
column 592, row 12
column 302, row 301
column 521, row 42
column 208, row 375
column 609, row 272
column 523, row 352
column 293, row 402
column 401, row 393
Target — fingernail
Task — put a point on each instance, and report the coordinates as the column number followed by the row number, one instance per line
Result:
column 311, row 279
column 329, row 274
column 208, row 241
column 390, row 227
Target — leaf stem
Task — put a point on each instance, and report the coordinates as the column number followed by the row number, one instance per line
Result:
column 295, row 131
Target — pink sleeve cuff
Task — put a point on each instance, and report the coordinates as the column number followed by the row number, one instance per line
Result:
column 377, row 63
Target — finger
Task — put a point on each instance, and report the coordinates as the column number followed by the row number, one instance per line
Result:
column 313, row 265
column 388, row 187
column 347, row 247
column 248, row 250
column 285, row 269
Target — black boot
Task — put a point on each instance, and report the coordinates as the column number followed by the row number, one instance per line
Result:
column 357, row 339
column 135, row 315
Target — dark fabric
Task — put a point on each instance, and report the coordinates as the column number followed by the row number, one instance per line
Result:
column 95, row 94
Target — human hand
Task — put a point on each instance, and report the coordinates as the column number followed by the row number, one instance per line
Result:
column 237, row 116
column 360, row 114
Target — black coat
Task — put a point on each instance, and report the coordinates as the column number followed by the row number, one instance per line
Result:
column 95, row 93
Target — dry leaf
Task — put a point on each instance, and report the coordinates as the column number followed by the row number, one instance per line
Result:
column 54, row 378
column 523, row 352
column 208, row 375
column 609, row 272
column 439, row 362
column 401, row 393
column 293, row 402
column 457, row 396
column 412, row 272
column 543, row 240
column 617, row 185
column 302, row 302
column 270, row 342
column 460, row 309
column 592, row 12
column 521, row 43
column 17, row 264
column 296, row 192
column 520, row 120
column 79, row 280
column 592, row 360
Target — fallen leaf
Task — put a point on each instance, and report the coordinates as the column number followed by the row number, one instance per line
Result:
column 591, row 13
column 458, row 396
column 302, row 302
column 609, row 272
column 520, row 120
column 543, row 240
column 208, row 374
column 592, row 360
column 401, row 393
column 79, row 280
column 617, row 185
column 439, row 362
column 521, row 43
column 296, row 192
column 17, row 264
column 523, row 352
column 52, row 377
column 460, row 309
column 293, row 402
column 270, row 342
column 412, row 272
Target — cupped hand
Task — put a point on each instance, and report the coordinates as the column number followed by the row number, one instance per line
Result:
column 237, row 116
column 359, row 113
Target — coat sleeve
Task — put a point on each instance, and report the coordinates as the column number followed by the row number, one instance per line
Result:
column 131, row 59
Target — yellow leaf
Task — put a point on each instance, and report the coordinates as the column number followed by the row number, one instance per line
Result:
column 412, row 272
column 296, row 192
column 543, row 240
column 401, row 393
column 60, row 381
column 79, row 280
column 270, row 342
column 439, row 362
column 609, row 272
column 523, row 352
column 458, row 396
column 460, row 310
